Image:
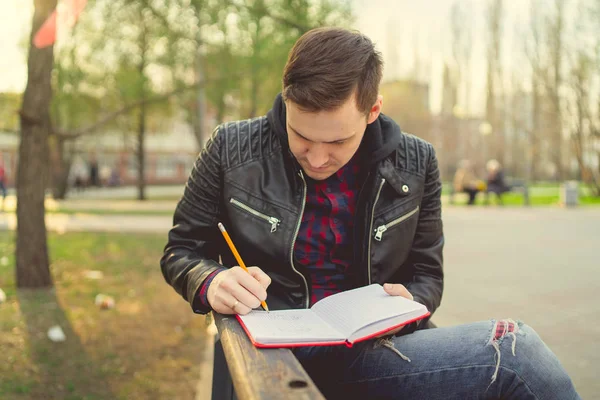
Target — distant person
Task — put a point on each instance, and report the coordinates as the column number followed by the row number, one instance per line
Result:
column 495, row 180
column 94, row 173
column 115, row 179
column 105, row 172
column 2, row 182
column 78, row 175
column 465, row 181
column 79, row 183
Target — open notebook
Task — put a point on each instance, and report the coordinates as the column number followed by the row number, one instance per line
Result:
column 343, row 318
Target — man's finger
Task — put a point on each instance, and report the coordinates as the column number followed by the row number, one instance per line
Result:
column 252, row 285
column 245, row 297
column 260, row 276
column 397, row 289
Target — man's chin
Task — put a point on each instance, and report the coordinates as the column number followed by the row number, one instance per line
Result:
column 318, row 175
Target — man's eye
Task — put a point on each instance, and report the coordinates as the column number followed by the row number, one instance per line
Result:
column 340, row 142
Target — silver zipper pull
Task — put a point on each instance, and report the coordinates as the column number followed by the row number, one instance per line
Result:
column 274, row 222
column 379, row 232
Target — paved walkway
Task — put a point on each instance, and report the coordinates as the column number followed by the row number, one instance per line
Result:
column 539, row 265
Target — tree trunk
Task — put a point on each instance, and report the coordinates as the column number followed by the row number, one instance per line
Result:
column 60, row 169
column 141, row 181
column 31, row 250
column 200, row 101
column 535, row 133
column 141, row 155
column 556, row 50
column 255, row 70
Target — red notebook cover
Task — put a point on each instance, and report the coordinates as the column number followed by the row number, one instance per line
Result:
column 327, row 343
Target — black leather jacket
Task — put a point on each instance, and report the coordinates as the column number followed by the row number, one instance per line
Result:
column 247, row 178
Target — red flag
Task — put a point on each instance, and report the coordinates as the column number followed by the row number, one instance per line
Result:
column 66, row 14
column 46, row 35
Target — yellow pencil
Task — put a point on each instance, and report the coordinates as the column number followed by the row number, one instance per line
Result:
column 237, row 256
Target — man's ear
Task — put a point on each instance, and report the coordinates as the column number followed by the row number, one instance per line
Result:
column 375, row 110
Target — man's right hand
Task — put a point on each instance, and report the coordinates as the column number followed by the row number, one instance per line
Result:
column 236, row 291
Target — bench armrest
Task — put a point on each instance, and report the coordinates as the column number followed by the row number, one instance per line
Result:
column 262, row 373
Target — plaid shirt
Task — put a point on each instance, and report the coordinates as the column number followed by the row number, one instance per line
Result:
column 324, row 243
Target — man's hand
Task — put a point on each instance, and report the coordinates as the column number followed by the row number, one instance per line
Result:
column 395, row 289
column 236, row 291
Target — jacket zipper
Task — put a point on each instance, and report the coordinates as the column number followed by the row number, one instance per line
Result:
column 371, row 230
column 272, row 220
column 381, row 229
column 296, row 236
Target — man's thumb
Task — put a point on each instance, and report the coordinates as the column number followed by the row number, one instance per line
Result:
column 388, row 287
column 397, row 289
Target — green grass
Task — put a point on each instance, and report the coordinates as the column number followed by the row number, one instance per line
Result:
column 544, row 194
column 110, row 212
column 163, row 197
column 147, row 347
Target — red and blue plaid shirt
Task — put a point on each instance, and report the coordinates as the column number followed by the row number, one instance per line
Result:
column 324, row 242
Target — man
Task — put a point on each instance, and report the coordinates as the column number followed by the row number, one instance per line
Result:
column 495, row 181
column 325, row 194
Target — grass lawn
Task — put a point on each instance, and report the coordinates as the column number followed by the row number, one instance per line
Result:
column 110, row 212
column 516, row 199
column 148, row 347
column 539, row 195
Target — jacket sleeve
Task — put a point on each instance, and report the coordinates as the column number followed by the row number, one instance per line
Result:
column 426, row 256
column 191, row 253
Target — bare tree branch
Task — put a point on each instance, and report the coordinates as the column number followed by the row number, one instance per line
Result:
column 110, row 117
column 274, row 17
column 176, row 33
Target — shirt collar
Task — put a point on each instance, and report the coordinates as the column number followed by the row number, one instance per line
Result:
column 348, row 169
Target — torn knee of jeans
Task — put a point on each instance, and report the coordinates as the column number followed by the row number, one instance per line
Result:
column 501, row 329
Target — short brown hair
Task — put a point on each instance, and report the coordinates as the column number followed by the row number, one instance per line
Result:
column 327, row 65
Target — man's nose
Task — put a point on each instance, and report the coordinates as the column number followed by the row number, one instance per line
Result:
column 317, row 156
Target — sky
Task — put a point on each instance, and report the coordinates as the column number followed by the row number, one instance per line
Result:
column 15, row 22
column 407, row 22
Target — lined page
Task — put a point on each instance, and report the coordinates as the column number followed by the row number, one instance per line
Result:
column 353, row 309
column 289, row 326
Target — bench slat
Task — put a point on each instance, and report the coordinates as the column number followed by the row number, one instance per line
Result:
column 262, row 373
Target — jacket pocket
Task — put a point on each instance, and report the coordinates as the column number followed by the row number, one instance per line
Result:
column 380, row 230
column 271, row 220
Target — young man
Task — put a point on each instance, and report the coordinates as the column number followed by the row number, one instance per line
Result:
column 326, row 194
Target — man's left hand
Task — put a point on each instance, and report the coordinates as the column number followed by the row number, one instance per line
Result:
column 396, row 289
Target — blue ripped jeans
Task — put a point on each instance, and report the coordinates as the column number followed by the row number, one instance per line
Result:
column 473, row 361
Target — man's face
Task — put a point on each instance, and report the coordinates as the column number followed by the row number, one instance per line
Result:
column 324, row 141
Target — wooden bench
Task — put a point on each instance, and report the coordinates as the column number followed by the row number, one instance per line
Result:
column 242, row 371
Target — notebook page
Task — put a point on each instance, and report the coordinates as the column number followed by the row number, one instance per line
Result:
column 353, row 309
column 289, row 326
column 384, row 324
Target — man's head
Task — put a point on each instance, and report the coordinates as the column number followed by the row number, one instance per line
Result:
column 331, row 91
